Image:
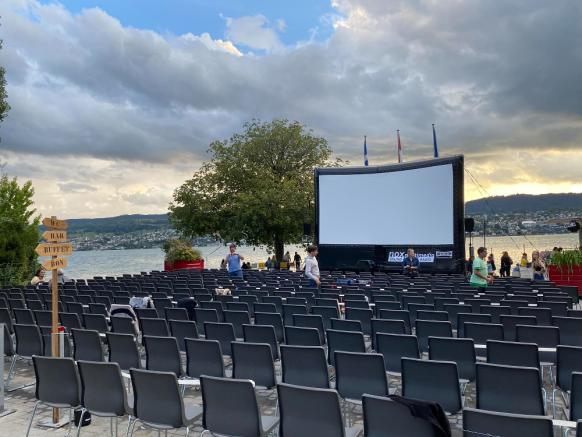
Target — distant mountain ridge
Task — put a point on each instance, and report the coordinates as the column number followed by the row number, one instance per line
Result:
column 122, row 224
column 500, row 204
column 525, row 203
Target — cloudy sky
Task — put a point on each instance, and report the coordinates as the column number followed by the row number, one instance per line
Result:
column 114, row 102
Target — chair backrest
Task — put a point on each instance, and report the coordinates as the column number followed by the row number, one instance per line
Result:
column 122, row 325
column 237, row 319
column 262, row 334
column 273, row 319
column 489, row 423
column 509, row 323
column 263, row 307
column 183, row 329
column 431, row 328
column 397, row 315
column 6, row 318
column 463, row 318
column 496, row 311
column 481, row 332
column 363, row 315
column 386, row 326
column 102, row 388
column 57, row 381
column 28, row 340
column 157, row 398
column 382, row 414
column 509, row 389
column 317, row 408
column 359, row 373
column 176, row 314
column 297, row 336
column 203, row 357
column 345, row 341
column 543, row 336
column 569, row 360
column 223, row 332
column 96, row 322
column 346, row 325
column 542, row 315
column 458, row 350
column 570, row 329
column 304, row 365
column 123, row 350
column 253, row 361
column 230, row 407
column 576, row 397
column 435, row 381
column 442, row 316
column 70, row 321
column 23, row 316
column 162, row 354
column 87, row 345
column 396, row 346
column 311, row 321
column 154, row 327
column 203, row 315
column 454, row 310
column 510, row 353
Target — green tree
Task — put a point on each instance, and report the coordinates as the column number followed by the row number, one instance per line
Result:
column 18, row 231
column 4, row 106
column 257, row 187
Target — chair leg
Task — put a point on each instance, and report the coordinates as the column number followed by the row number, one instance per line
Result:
column 32, row 418
column 70, row 422
column 130, row 428
column 10, row 372
column 80, row 422
column 187, row 431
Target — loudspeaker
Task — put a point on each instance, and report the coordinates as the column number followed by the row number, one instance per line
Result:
column 469, row 224
column 307, row 229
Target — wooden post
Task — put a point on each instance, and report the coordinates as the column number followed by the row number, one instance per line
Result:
column 55, row 323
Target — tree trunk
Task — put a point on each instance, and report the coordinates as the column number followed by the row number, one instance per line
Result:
column 279, row 249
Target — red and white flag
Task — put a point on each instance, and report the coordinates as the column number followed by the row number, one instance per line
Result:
column 399, row 146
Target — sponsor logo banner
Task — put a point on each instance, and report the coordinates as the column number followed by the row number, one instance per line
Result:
column 398, row 257
column 444, row 254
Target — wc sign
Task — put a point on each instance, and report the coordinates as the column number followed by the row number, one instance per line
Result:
column 398, row 257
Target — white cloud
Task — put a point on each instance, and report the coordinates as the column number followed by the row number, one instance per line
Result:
column 255, row 32
column 131, row 112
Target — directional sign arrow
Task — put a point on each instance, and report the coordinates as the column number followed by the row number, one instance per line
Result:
column 52, row 249
column 54, row 223
column 55, row 236
column 55, row 263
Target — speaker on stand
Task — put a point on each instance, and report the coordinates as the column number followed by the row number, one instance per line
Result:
column 470, row 227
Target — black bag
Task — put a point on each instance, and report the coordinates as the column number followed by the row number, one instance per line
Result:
column 77, row 417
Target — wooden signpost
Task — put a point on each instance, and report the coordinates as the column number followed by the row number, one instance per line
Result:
column 55, row 247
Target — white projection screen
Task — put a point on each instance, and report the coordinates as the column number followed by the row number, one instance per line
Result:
column 408, row 206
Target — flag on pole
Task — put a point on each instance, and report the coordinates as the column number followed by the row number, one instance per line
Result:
column 399, row 145
column 365, row 152
column 434, row 141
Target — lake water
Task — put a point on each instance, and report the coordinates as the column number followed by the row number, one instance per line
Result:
column 91, row 263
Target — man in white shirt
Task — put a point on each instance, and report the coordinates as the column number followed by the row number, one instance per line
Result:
column 312, row 266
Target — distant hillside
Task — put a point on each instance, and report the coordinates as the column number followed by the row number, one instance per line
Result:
column 122, row 224
column 525, row 203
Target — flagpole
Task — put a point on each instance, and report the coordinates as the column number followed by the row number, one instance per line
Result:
column 434, row 142
column 399, row 146
column 365, row 152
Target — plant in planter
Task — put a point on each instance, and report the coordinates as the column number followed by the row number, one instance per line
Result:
column 180, row 254
column 566, row 261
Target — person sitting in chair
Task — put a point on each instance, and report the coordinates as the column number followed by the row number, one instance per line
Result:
column 410, row 264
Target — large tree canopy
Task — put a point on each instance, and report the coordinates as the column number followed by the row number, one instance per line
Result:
column 257, row 187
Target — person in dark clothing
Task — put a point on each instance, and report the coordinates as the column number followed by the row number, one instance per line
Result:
column 297, row 260
column 506, row 263
column 469, row 266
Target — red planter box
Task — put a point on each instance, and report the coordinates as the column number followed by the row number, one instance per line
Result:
column 179, row 265
column 567, row 276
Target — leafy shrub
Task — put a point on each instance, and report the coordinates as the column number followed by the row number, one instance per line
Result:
column 180, row 250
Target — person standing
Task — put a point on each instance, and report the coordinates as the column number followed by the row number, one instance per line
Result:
column 506, row 263
column 312, row 266
column 297, row 260
column 491, row 265
column 38, row 277
column 480, row 278
column 410, row 264
column 287, row 260
column 539, row 268
column 233, row 260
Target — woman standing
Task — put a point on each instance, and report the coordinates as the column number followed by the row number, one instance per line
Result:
column 506, row 263
column 480, row 278
column 491, row 265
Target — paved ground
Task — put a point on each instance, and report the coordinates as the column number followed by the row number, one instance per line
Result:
column 23, row 402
